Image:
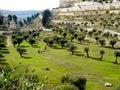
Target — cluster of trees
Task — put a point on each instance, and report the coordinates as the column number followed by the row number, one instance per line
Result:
column 61, row 41
column 28, row 20
column 11, row 18
column 20, row 22
column 100, row 19
column 107, row 20
column 19, row 37
column 64, row 38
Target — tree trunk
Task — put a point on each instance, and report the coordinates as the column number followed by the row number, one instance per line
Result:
column 21, row 55
column 101, row 57
column 116, row 60
column 87, row 55
column 45, row 47
column 113, row 46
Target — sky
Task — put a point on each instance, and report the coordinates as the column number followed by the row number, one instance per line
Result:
column 28, row 4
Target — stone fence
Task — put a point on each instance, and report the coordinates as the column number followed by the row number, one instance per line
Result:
column 115, row 5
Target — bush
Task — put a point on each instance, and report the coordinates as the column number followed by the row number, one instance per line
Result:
column 23, row 81
column 79, row 82
column 65, row 78
column 118, row 87
column 66, row 87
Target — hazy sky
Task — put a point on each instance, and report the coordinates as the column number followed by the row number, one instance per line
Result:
column 28, row 4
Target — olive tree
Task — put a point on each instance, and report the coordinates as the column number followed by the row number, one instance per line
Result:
column 102, row 52
column 19, row 39
column 117, row 54
column 31, row 41
column 14, row 41
column 86, row 49
column 113, row 42
column 102, row 42
column 21, row 51
column 72, row 47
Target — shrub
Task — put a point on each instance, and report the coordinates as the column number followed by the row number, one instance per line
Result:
column 65, row 78
column 22, row 81
column 79, row 82
column 118, row 87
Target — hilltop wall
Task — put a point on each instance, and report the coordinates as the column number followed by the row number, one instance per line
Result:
column 90, row 6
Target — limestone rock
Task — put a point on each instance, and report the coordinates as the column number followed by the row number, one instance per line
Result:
column 108, row 84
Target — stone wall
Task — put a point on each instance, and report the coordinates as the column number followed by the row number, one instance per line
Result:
column 90, row 7
column 66, row 3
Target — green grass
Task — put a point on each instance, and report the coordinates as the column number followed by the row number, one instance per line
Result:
column 60, row 61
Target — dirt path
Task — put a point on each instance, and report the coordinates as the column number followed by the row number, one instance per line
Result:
column 8, row 41
column 45, row 29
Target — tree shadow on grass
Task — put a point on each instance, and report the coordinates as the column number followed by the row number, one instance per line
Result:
column 95, row 58
column 77, row 53
column 36, row 46
column 102, row 60
column 87, row 41
column 56, row 47
column 118, row 48
column 108, row 47
column 111, row 62
column 27, row 57
column 2, row 61
column 4, row 50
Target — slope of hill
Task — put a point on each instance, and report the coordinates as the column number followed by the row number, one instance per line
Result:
column 33, row 25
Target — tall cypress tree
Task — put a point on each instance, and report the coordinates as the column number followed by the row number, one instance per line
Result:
column 46, row 17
